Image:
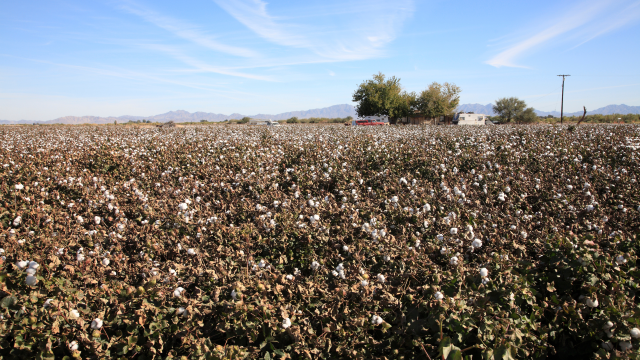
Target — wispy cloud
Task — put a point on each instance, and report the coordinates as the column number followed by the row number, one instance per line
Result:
column 354, row 39
column 201, row 66
column 184, row 30
column 585, row 20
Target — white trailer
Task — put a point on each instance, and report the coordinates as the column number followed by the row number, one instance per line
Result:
column 469, row 119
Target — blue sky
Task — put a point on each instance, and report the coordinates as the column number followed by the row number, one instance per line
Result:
column 121, row 57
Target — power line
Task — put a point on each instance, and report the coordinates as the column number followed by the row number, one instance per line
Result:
column 562, row 101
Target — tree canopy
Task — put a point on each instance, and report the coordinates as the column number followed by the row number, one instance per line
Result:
column 509, row 108
column 383, row 96
column 438, row 100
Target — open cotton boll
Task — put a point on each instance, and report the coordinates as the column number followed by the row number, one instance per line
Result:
column 105, row 262
column 484, row 272
column 315, row 265
column 289, row 277
column 234, row 294
column 178, row 292
column 592, row 303
column 31, row 271
column 453, row 260
column 96, row 324
column 376, row 320
column 22, row 264
column 31, row 280
column 364, row 283
column 345, row 248
column 286, row 323
column 620, row 259
column 635, row 333
column 380, row 278
column 453, row 231
column 625, row 345
column 476, row 243
column 74, row 314
column 73, row 346
column 607, row 325
column 438, row 295
column 191, row 252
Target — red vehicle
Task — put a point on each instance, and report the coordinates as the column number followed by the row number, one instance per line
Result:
column 366, row 122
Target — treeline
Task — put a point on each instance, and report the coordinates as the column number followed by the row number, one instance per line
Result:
column 596, row 119
column 315, row 120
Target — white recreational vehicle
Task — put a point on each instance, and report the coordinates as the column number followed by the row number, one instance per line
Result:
column 469, row 118
column 263, row 122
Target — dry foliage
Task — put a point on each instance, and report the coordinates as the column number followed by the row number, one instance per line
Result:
column 319, row 242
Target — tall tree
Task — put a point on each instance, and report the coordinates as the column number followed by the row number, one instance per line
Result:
column 509, row 108
column 383, row 96
column 527, row 116
column 438, row 100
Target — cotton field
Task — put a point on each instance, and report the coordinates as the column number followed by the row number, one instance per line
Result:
column 223, row 242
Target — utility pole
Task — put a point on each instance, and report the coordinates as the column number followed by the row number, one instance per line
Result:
column 562, row 103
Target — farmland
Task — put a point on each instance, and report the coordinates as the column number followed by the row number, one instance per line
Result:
column 212, row 242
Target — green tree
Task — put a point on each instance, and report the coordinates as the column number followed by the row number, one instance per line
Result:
column 438, row 100
column 383, row 97
column 509, row 108
column 244, row 120
column 293, row 120
column 527, row 116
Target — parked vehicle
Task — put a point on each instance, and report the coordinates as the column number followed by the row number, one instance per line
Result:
column 268, row 122
column 469, row 118
column 366, row 122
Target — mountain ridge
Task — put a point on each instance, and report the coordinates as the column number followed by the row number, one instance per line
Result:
column 335, row 111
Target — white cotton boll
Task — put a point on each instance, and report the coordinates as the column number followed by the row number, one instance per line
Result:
column 476, row 243
column 22, row 264
column 386, row 258
column 334, row 273
column 394, row 199
column 191, row 252
column 80, row 257
column 180, row 311
column 444, row 250
column 635, row 333
column 19, row 186
column 620, row 259
column 380, row 278
column 17, row 221
column 315, row 265
column 607, row 325
column 427, row 207
column 74, row 314
column 438, row 295
column 484, row 272
column 376, row 320
column 34, row 265
column 524, row 234
column 286, row 323
column 440, row 237
column 569, row 187
column 589, row 208
column 340, row 267
column 592, row 303
column 96, row 220
column 31, row 280
column 453, row 231
column 178, row 292
column 105, row 262
column 512, row 227
column 453, row 260
column 289, row 277
column 625, row 345
column 364, row 283
column 31, row 271
column 345, row 248
column 485, row 281
column 96, row 324
column 73, row 346
column 182, row 206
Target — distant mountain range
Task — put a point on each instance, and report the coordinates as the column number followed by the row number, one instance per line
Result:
column 335, row 111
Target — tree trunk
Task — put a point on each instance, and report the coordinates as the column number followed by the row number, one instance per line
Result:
column 392, row 121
